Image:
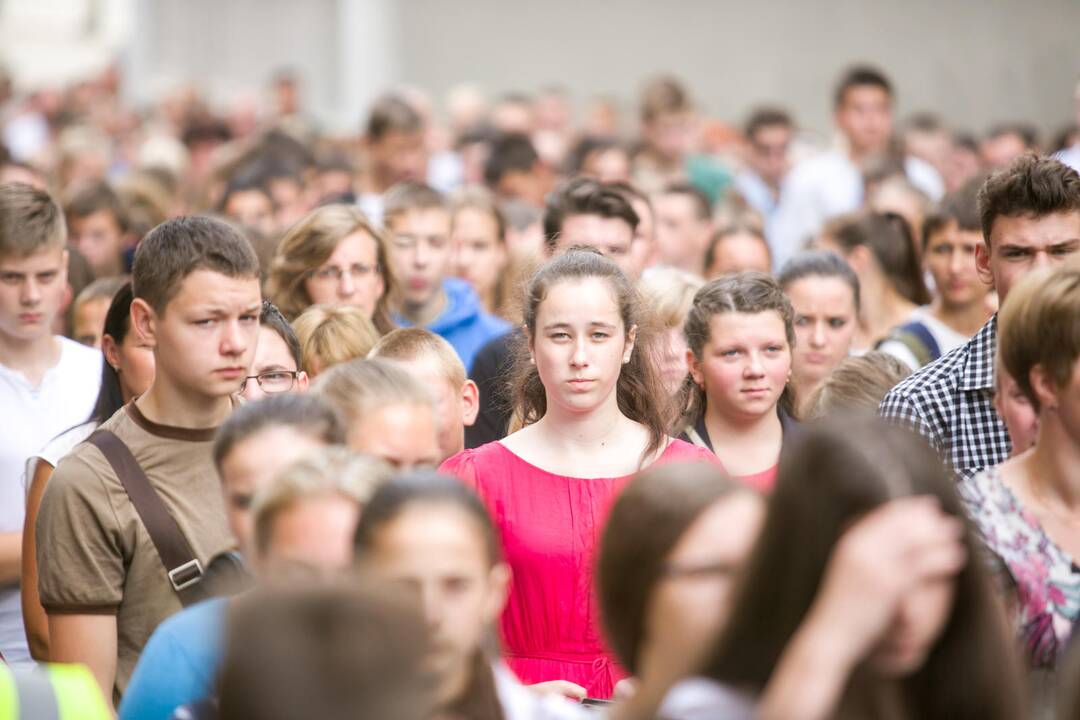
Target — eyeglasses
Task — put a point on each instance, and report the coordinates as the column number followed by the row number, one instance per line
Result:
column 334, row 273
column 273, row 381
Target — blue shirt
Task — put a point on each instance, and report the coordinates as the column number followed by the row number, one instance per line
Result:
column 179, row 664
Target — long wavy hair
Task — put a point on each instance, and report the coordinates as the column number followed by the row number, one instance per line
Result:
column 639, row 390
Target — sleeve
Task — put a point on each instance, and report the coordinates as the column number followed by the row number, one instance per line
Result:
column 463, row 467
column 160, row 683
column 79, row 550
column 899, row 409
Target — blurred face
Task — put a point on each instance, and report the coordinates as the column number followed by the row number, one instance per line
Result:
column 405, row 436
column 252, row 208
column 31, row 293
column 450, row 408
column 133, row 361
column 681, row 235
column 643, row 246
column 611, row 236
column 88, row 321
column 769, row 152
column 673, row 367
column 420, row 254
column 399, row 157
column 350, row 276
column 999, row 151
column 437, row 551
column 825, row 324
column 918, row 623
column 1016, row 411
column 99, row 238
column 271, row 372
column 950, row 258
column 671, row 135
column 251, row 465
column 865, row 118
column 479, row 253
column 744, row 365
column 311, row 540
column 204, row 341
column 608, row 165
column 738, row 252
column 1021, row 244
column 691, row 603
column 580, row 345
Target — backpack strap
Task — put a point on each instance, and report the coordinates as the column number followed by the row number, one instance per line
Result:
column 182, row 567
column 917, row 338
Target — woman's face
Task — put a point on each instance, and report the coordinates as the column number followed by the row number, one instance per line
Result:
column 479, row 254
column 1016, row 412
column 745, row 364
column 350, row 276
column 919, row 621
column 691, row 603
column 133, row 361
column 825, row 323
column 580, row 344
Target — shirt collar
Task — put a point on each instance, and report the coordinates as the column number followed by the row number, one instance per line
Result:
column 978, row 369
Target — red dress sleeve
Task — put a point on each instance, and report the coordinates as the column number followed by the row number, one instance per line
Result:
column 463, row 467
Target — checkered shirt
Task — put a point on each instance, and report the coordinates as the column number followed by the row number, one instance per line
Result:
column 950, row 403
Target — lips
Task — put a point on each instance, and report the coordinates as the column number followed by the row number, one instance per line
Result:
column 232, row 372
column 815, row 358
column 417, row 283
column 580, row 384
column 30, row 318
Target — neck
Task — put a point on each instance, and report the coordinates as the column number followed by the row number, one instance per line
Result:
column 31, row 358
column 964, row 319
column 1054, row 464
column 582, row 430
column 889, row 310
column 165, row 404
column 727, row 427
column 422, row 314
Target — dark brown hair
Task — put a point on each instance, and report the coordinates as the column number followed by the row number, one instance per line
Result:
column 308, row 414
column 860, row 76
column 407, row 196
column 638, row 389
column 888, row 237
column 92, row 197
column 833, row 473
column 585, row 196
column 392, row 113
column 30, row 221
column 745, row 292
column 819, row 263
column 960, row 206
column 180, row 246
column 646, row 523
column 1031, row 185
column 335, row 653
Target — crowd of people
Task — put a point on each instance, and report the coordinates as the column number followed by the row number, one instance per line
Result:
column 483, row 413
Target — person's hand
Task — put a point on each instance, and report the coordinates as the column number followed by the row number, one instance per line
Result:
column 564, row 688
column 624, row 689
column 894, row 548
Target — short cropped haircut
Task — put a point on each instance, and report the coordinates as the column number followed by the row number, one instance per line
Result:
column 180, row 246
column 407, row 344
column 510, row 153
column 585, row 196
column 664, row 95
column 101, row 289
column 94, row 197
column 1031, row 186
column 272, row 318
column 960, row 206
column 333, row 471
column 391, row 113
column 30, row 221
column 408, row 196
column 1038, row 325
column 307, row 414
column 860, row 76
column 332, row 334
column 360, row 387
column 764, row 117
column 702, row 206
column 857, row 385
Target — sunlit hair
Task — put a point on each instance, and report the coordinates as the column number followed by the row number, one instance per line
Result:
column 857, row 384
column 310, row 243
column 332, row 334
column 417, row 343
column 669, row 293
column 359, row 388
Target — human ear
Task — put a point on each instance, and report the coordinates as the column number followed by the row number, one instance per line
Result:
column 111, row 351
column 631, row 338
column 1046, row 390
column 470, row 403
column 144, row 321
column 982, row 263
column 695, row 368
column 302, row 382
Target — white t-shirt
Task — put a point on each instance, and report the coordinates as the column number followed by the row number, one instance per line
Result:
column 29, row 418
column 520, row 703
column 946, row 338
column 699, row 698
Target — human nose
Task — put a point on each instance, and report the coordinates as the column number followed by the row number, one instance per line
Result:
column 251, row 390
column 421, row 253
column 1042, row 260
column 579, row 358
column 31, row 292
column 817, row 335
column 347, row 285
column 232, row 339
column 754, row 366
column 432, row 606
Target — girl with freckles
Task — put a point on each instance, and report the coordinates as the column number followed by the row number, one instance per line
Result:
column 588, row 397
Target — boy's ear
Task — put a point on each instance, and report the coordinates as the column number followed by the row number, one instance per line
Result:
column 144, row 321
column 470, row 403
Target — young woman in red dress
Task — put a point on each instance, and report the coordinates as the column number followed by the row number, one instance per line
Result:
column 586, row 394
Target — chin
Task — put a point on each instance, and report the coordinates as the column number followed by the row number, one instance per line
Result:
column 897, row 664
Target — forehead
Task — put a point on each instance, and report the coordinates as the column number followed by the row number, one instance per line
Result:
column 1035, row 232
column 204, row 287
column 594, row 231
column 739, row 326
column 354, row 245
column 262, row 454
column 421, row 221
column 951, row 232
column 863, row 95
column 579, row 299
column 431, row 532
column 45, row 259
column 815, row 291
column 272, row 350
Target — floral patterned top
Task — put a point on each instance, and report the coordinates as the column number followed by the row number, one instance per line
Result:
column 1047, row 580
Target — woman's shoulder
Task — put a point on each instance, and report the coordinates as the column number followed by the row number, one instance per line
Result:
column 680, row 450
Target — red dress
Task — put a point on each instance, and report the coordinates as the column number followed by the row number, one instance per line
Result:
column 550, row 527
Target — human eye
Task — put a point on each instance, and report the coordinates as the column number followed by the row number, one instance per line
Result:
column 204, row 322
column 274, row 375
column 326, row 273
column 1014, row 253
column 1063, row 249
column 10, row 278
column 802, row 321
column 47, row 277
column 837, row 323
column 360, row 270
column 774, row 348
column 600, row 335
column 559, row 335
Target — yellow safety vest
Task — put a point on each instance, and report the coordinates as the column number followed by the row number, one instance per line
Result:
column 51, row 692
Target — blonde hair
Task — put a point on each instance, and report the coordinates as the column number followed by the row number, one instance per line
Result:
column 360, row 387
column 1038, row 326
column 332, row 334
column 857, row 384
column 310, row 243
column 332, row 471
column 414, row 343
column 670, row 293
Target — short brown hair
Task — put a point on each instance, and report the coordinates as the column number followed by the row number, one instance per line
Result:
column 180, row 246
column 360, row 387
column 93, row 197
column 1031, row 185
column 1039, row 327
column 857, row 384
column 392, row 113
column 664, row 95
column 332, row 334
column 407, row 196
column 585, row 196
column 413, row 343
column 30, row 221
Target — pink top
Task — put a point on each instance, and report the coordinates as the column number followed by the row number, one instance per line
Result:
column 550, row 527
column 763, row 481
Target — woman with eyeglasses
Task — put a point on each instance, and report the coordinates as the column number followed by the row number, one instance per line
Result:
column 277, row 367
column 333, row 256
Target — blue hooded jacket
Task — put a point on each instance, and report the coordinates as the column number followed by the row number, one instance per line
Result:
column 463, row 322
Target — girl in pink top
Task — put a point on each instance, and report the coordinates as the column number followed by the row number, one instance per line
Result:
column 740, row 333
column 586, row 395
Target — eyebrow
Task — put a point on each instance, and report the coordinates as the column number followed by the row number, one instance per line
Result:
column 592, row 323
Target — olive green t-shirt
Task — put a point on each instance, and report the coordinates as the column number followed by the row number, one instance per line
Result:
column 94, row 554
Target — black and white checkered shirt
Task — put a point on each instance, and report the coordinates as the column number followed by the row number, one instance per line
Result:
column 950, row 403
